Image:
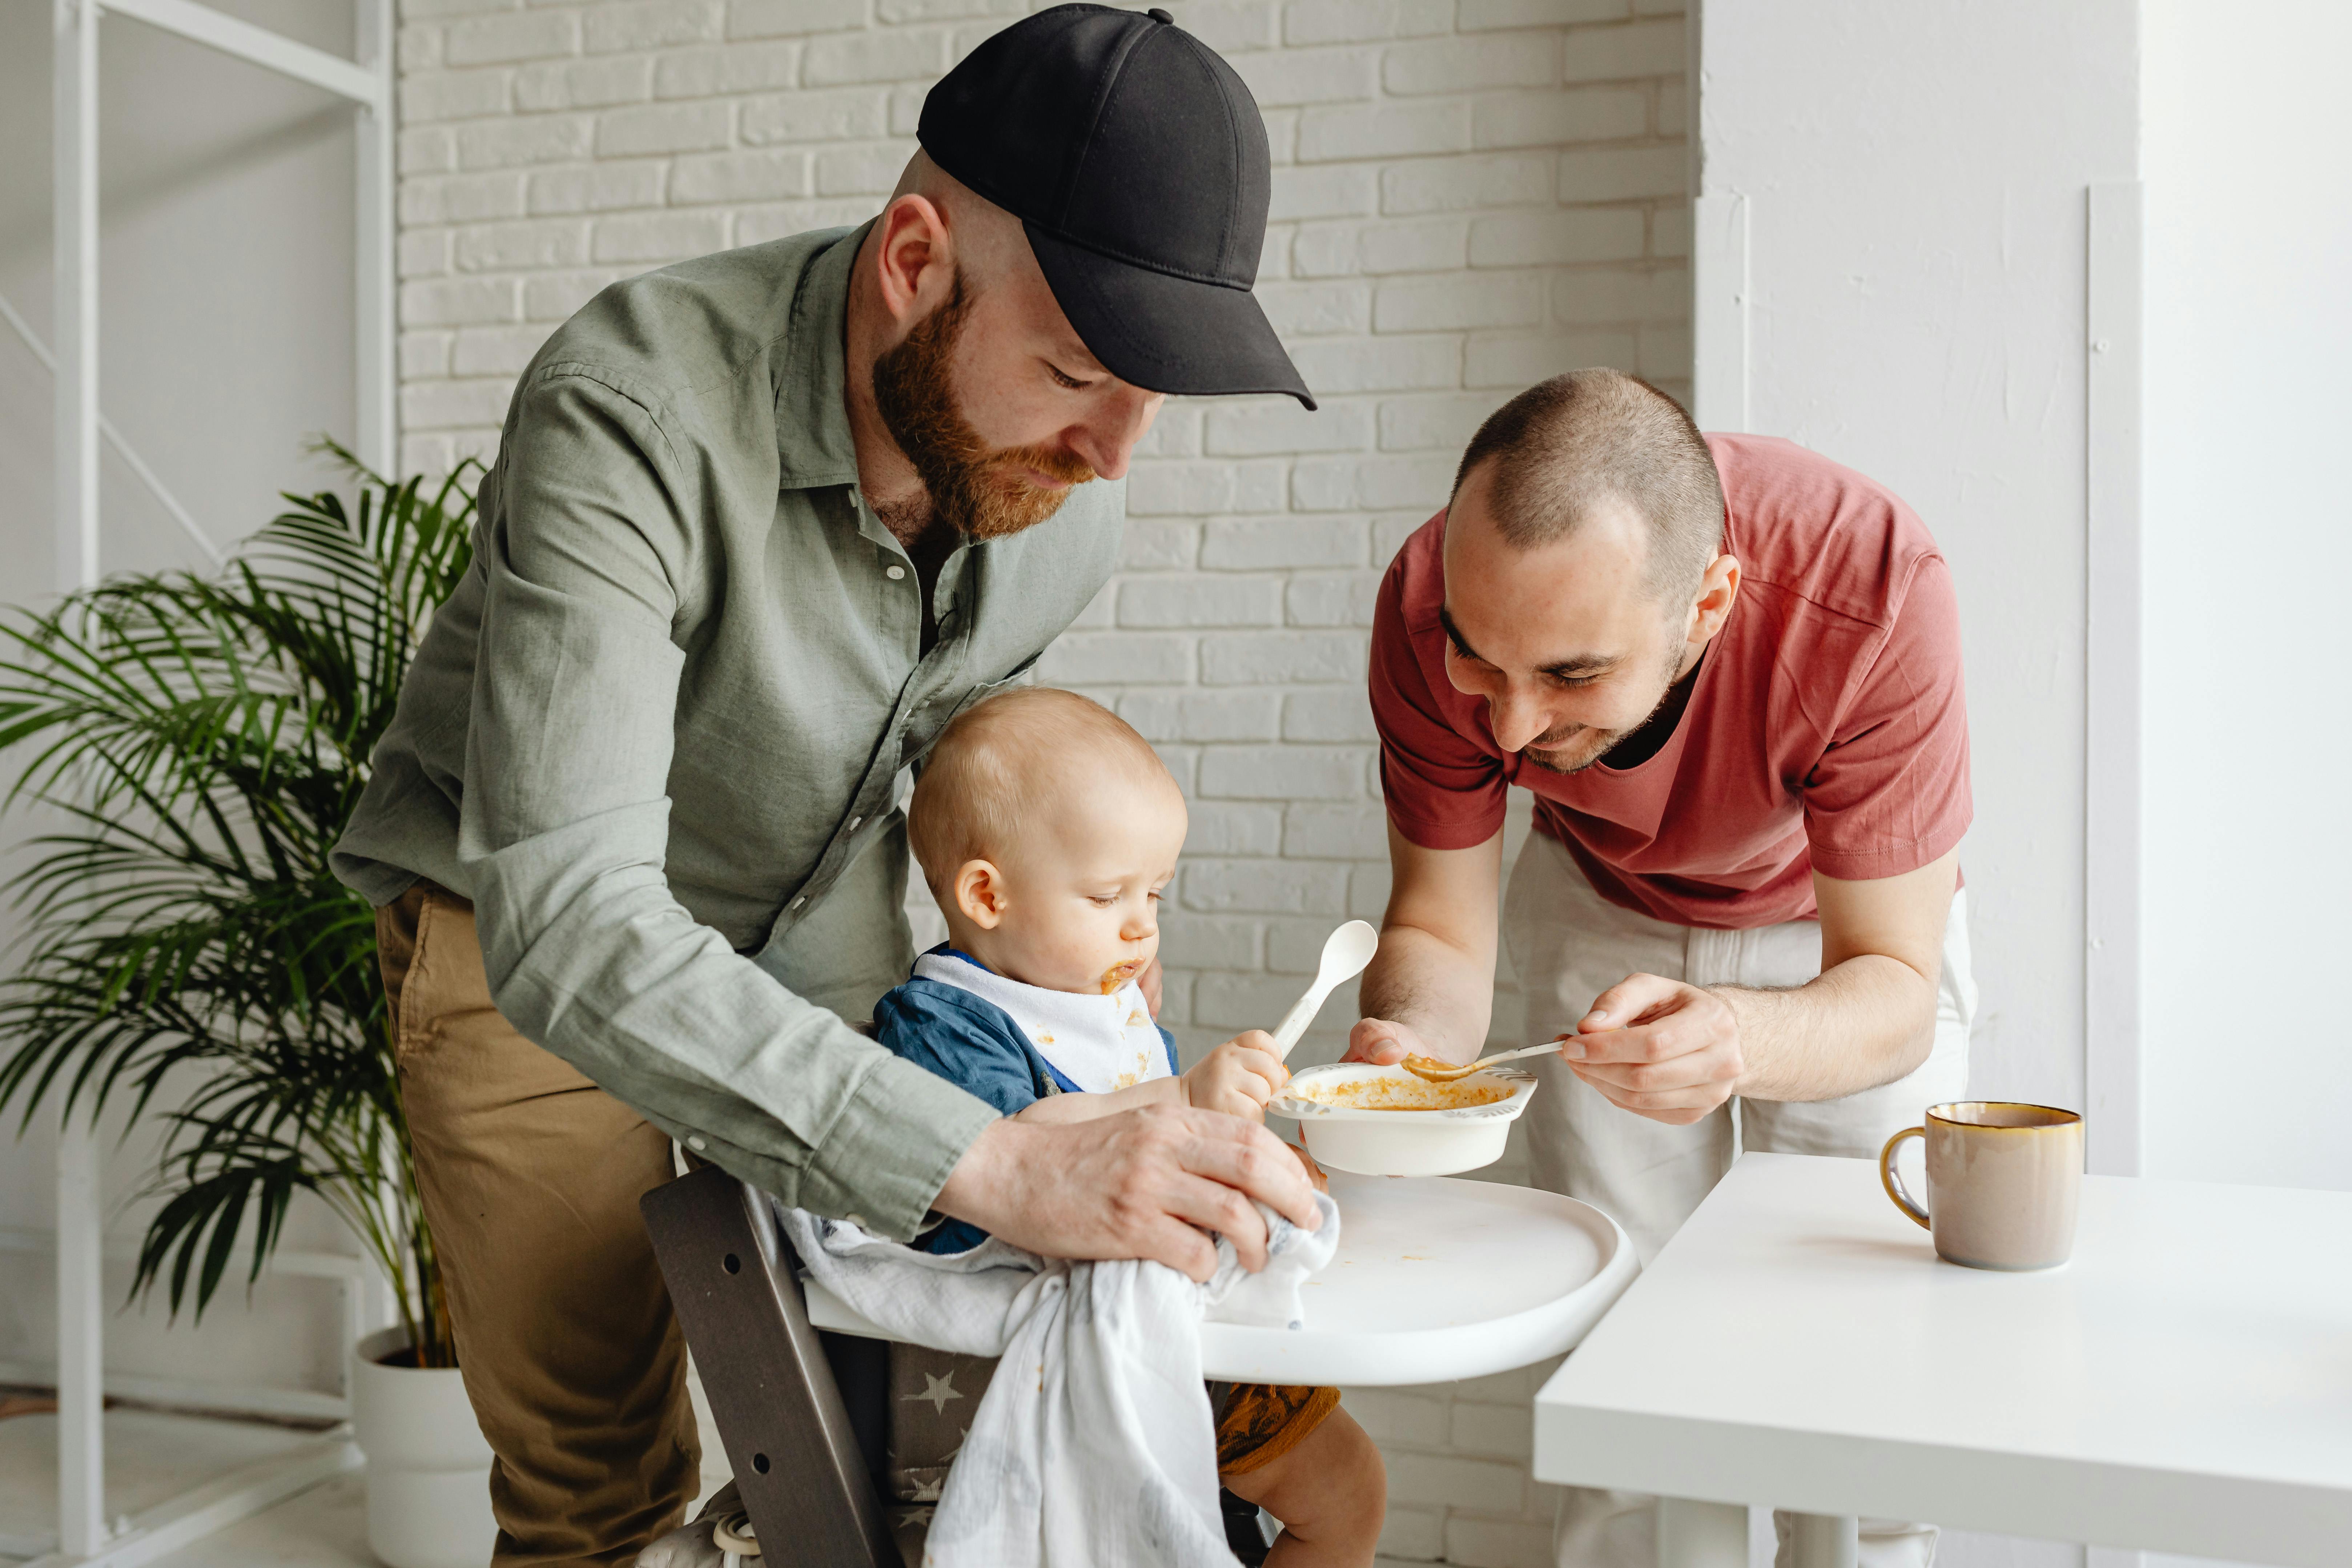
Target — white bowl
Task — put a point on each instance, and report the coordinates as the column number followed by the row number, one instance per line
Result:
column 1402, row 1143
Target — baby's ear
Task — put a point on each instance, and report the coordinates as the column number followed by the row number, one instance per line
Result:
column 979, row 893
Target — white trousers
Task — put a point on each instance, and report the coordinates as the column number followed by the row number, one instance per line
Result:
column 1568, row 945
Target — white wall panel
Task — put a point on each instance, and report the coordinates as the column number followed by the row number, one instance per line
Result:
column 2249, row 729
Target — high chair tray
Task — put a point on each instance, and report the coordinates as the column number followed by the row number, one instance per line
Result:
column 1437, row 1279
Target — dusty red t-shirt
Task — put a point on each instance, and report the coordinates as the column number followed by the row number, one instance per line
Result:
column 1826, row 728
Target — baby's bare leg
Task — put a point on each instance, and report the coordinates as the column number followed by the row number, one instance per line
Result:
column 1331, row 1492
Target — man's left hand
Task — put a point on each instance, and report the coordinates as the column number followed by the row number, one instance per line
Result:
column 1658, row 1048
column 1149, row 983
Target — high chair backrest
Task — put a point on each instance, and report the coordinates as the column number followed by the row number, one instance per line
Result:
column 778, row 1407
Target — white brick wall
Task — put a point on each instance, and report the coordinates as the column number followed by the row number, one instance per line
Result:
column 1468, row 195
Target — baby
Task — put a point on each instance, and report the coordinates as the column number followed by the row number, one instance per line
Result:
column 1047, row 830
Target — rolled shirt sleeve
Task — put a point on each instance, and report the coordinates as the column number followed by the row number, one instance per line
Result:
column 565, row 820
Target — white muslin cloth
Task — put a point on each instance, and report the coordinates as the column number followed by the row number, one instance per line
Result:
column 1093, row 1443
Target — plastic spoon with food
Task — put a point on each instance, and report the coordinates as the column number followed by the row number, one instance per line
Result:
column 1436, row 1071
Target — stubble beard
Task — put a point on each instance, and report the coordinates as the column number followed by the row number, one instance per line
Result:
column 1599, row 744
column 981, row 490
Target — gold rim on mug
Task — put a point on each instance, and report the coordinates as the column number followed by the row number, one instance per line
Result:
column 2036, row 1119
column 2044, row 1117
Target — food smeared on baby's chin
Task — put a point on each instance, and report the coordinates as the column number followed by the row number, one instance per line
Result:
column 1119, row 974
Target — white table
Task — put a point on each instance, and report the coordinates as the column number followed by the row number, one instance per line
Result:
column 1435, row 1278
column 2183, row 1385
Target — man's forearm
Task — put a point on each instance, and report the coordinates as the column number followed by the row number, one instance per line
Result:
column 1866, row 1022
column 1436, row 988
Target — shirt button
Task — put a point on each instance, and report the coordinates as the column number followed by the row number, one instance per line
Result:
column 894, row 572
column 798, row 902
column 855, row 823
column 695, row 1143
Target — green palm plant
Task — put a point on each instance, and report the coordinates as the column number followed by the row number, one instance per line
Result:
column 207, row 737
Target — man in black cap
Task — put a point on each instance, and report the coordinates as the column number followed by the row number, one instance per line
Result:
column 758, row 526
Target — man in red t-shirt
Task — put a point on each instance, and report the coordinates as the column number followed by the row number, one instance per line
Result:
column 1730, row 673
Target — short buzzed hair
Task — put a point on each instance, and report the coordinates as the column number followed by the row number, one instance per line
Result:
column 1569, row 444
column 1002, row 761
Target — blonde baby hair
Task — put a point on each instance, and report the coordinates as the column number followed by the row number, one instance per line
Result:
column 1002, row 761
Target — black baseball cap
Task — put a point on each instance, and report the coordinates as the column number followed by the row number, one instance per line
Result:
column 1136, row 159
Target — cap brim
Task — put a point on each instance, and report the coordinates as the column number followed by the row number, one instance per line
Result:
column 1163, row 333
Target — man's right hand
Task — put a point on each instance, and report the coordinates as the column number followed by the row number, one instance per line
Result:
column 1143, row 1183
column 1381, row 1041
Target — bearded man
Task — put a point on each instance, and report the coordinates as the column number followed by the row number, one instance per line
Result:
column 759, row 525
column 1729, row 670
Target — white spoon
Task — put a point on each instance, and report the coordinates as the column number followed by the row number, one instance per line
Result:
column 1446, row 1073
column 1345, row 953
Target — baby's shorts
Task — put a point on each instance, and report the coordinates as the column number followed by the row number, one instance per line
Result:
column 1257, row 1422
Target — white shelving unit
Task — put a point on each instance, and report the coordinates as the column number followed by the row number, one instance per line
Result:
column 86, row 1537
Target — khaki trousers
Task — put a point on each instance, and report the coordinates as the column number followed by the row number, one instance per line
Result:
column 1568, row 945
column 531, row 1176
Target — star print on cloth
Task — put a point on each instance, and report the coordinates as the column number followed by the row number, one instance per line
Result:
column 1094, row 1446
column 936, row 1392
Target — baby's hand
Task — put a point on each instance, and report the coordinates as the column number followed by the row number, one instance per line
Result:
column 1238, row 1078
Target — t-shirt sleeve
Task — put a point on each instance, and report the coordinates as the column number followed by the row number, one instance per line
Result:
column 1891, row 792
column 948, row 1033
column 1443, row 791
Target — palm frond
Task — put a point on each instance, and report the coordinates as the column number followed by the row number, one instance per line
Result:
column 206, row 737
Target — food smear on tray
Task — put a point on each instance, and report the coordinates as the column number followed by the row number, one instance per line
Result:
column 1400, row 1093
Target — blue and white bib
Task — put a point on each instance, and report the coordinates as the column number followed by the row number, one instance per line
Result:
column 1093, row 1043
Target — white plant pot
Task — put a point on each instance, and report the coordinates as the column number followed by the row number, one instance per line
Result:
column 428, row 1470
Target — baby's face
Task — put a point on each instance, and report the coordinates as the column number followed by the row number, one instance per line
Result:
column 1076, row 902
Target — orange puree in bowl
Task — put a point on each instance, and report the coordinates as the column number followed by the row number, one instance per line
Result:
column 1401, row 1094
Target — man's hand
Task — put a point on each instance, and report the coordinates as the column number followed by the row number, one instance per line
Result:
column 1143, row 1183
column 1238, row 1078
column 1151, row 982
column 1658, row 1048
column 1380, row 1041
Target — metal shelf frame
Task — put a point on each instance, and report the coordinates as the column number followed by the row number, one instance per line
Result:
column 85, row 1539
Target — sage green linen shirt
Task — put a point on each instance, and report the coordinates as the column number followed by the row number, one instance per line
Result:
column 654, row 735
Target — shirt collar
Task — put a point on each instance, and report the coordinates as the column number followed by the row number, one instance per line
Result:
column 814, row 445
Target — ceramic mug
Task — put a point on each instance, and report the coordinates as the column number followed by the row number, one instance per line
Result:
column 2003, row 1180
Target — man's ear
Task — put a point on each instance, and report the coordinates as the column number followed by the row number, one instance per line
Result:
column 1717, row 590
column 915, row 258
column 980, row 894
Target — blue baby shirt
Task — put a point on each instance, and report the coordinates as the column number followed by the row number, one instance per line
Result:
column 976, row 1046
